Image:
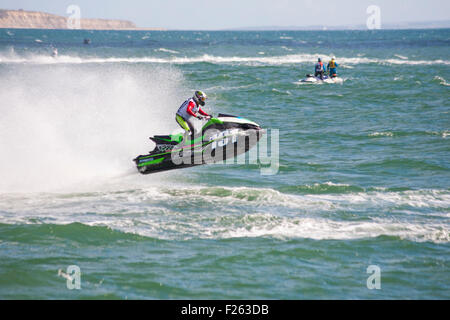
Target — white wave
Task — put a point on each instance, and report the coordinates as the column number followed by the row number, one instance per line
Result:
column 258, row 60
column 381, row 134
column 268, row 213
column 321, row 229
column 401, row 57
column 442, row 81
column 438, row 199
column 163, row 223
column 413, row 62
column 281, row 91
column 226, row 88
column 166, row 50
column 329, row 183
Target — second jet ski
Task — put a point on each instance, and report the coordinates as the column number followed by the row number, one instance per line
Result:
column 310, row 78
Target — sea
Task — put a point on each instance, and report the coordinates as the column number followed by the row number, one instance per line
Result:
column 356, row 204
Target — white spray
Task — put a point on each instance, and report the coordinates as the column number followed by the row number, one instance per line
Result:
column 66, row 124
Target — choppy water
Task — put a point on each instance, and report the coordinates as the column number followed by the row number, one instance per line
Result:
column 363, row 176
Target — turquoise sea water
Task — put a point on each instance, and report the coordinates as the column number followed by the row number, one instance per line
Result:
column 363, row 177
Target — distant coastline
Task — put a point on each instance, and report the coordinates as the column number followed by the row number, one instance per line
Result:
column 21, row 19
column 445, row 24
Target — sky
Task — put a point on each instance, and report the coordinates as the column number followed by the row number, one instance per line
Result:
column 230, row 14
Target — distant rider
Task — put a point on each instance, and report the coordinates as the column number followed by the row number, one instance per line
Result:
column 319, row 69
column 331, row 67
column 191, row 109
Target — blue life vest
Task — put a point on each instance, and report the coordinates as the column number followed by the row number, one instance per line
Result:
column 319, row 66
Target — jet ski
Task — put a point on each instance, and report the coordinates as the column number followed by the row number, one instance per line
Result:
column 310, row 78
column 220, row 138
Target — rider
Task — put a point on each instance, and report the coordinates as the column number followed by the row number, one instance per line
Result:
column 189, row 110
column 319, row 69
column 331, row 67
column 54, row 52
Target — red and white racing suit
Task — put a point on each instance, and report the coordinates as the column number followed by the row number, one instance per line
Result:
column 188, row 111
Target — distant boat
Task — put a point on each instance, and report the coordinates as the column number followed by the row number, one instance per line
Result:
column 87, row 41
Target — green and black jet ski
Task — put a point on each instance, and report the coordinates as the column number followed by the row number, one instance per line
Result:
column 221, row 138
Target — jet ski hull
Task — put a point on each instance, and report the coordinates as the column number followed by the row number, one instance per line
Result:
column 222, row 138
column 326, row 79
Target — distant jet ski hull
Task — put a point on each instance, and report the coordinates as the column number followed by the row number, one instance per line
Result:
column 326, row 79
column 221, row 138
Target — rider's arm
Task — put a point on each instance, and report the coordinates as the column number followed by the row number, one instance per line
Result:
column 203, row 113
column 189, row 109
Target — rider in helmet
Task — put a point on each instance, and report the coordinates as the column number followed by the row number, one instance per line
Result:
column 191, row 109
column 331, row 67
column 319, row 69
column 54, row 52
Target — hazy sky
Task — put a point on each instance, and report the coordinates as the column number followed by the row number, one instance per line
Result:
column 221, row 14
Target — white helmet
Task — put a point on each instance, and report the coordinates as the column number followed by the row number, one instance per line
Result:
column 199, row 97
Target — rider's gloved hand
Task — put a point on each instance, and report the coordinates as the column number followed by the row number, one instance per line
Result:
column 199, row 117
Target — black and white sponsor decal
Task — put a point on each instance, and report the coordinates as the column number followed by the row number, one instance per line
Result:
column 164, row 147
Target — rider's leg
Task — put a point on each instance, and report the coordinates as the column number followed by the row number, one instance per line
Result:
column 186, row 125
column 183, row 124
column 191, row 126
